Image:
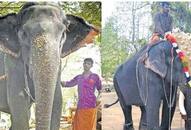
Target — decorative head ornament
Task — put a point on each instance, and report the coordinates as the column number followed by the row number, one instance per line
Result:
column 181, row 55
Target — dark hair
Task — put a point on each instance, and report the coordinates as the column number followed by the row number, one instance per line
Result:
column 89, row 59
column 163, row 4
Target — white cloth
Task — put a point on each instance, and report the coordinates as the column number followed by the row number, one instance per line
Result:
column 181, row 104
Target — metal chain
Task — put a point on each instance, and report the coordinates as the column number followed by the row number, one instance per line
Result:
column 145, row 98
column 29, row 94
column 172, row 97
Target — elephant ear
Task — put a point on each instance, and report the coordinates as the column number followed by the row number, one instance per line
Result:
column 78, row 34
column 8, row 35
column 156, row 60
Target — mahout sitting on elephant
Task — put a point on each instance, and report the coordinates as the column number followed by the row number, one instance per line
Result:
column 32, row 43
column 150, row 76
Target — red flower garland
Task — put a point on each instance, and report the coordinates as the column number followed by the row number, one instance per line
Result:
column 181, row 55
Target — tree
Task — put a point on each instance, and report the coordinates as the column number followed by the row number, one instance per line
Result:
column 121, row 35
column 112, row 54
column 134, row 20
column 91, row 11
column 10, row 7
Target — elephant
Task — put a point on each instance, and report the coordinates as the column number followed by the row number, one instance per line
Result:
column 32, row 43
column 184, row 106
column 150, row 76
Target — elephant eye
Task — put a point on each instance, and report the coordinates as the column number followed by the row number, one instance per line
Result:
column 24, row 34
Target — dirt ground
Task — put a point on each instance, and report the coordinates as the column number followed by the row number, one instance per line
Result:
column 112, row 118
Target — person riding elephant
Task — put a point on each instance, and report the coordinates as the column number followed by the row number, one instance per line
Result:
column 162, row 23
column 146, row 80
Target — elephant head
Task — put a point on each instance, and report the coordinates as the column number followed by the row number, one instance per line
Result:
column 39, row 34
column 164, row 61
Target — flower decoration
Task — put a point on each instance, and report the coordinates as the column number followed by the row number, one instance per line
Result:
column 181, row 55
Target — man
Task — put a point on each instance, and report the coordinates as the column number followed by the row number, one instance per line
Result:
column 162, row 23
column 85, row 116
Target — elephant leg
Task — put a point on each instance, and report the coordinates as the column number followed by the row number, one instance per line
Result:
column 187, row 125
column 18, row 100
column 126, row 108
column 152, row 108
column 25, row 119
column 128, row 118
column 57, row 108
column 143, row 120
column 165, row 115
column 19, row 108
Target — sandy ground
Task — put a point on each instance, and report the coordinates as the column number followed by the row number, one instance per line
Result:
column 112, row 118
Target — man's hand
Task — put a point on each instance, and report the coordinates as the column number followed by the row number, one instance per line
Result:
column 98, row 98
column 99, row 95
column 63, row 83
column 98, row 102
column 155, row 38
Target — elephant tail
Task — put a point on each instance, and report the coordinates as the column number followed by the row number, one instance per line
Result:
column 109, row 105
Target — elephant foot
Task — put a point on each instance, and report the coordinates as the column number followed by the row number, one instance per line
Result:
column 155, row 128
column 187, row 125
column 164, row 128
column 143, row 126
column 128, row 126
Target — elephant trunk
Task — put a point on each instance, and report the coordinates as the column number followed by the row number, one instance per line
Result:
column 45, row 63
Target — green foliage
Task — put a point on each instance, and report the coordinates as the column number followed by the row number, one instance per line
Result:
column 182, row 15
column 112, row 52
column 10, row 7
column 91, row 11
column 121, row 36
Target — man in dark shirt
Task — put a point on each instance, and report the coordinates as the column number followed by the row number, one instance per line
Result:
column 162, row 23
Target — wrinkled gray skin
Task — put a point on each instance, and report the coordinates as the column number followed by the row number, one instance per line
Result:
column 139, row 81
column 32, row 42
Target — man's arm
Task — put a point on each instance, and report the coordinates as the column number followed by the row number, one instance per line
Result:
column 99, row 94
column 63, row 83
column 157, row 25
column 70, row 83
column 171, row 22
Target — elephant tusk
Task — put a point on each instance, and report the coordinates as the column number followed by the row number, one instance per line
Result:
column 8, row 51
column 67, row 29
column 181, row 104
column 3, row 77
